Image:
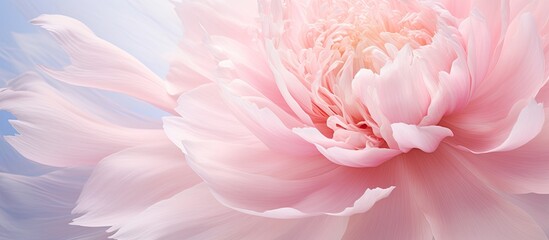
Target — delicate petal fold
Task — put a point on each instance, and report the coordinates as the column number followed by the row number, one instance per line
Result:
column 458, row 205
column 394, row 218
column 246, row 175
column 523, row 170
column 366, row 157
column 388, row 97
column 195, row 214
column 537, row 205
column 266, row 120
column 488, row 120
column 425, row 138
column 54, row 131
column 99, row 64
column 128, row 182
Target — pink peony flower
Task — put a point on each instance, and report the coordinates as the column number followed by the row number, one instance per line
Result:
column 338, row 119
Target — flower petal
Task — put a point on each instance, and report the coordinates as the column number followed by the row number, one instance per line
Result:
column 487, row 121
column 537, row 206
column 128, row 182
column 522, row 170
column 367, row 157
column 248, row 176
column 54, row 131
column 195, row 214
column 425, row 138
column 394, row 218
column 524, row 126
column 458, row 205
column 391, row 99
column 266, row 120
column 99, row 64
column 200, row 18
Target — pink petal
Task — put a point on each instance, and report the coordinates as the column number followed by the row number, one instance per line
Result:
column 367, row 157
column 273, row 129
column 476, row 32
column 249, row 64
column 517, row 77
column 251, row 178
column 314, row 136
column 202, row 18
column 460, row 9
column 537, row 206
column 195, row 214
column 54, row 131
column 247, row 175
column 458, row 205
column 514, row 131
column 425, row 138
column 394, row 218
column 446, row 74
column 522, row 170
column 128, row 182
column 99, row 64
column 191, row 67
column 295, row 94
column 205, row 105
column 391, row 99
column 518, row 73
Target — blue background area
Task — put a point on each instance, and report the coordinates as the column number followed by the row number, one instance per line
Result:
column 5, row 127
column 11, row 20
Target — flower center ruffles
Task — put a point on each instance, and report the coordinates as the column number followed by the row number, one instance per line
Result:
column 346, row 59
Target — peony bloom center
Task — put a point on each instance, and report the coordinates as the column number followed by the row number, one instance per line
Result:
column 339, row 56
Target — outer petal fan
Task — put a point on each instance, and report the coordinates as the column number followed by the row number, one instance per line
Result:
column 99, row 64
column 126, row 183
column 40, row 207
column 55, row 132
column 246, row 175
column 495, row 109
column 194, row 215
column 458, row 205
column 522, row 170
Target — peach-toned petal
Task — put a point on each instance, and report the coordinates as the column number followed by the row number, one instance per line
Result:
column 99, row 64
